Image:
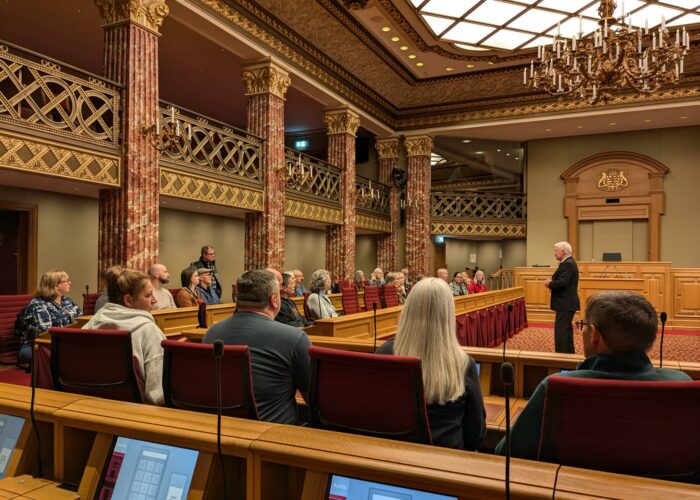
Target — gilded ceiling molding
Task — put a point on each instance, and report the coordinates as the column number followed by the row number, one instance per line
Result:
column 147, row 13
column 355, row 4
column 418, row 145
column 341, row 121
column 311, row 211
column 264, row 77
column 387, row 148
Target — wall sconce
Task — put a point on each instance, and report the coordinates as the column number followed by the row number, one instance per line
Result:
column 296, row 173
column 168, row 136
column 367, row 195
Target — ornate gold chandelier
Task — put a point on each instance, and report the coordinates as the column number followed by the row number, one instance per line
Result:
column 613, row 57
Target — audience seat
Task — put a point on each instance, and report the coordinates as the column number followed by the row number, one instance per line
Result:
column 628, row 427
column 10, row 306
column 174, row 291
column 94, row 363
column 372, row 296
column 391, row 299
column 350, row 300
column 89, row 300
column 306, row 309
column 344, row 284
column 369, row 394
column 189, row 379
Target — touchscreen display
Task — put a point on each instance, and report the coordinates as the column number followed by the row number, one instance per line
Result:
column 347, row 488
column 10, row 429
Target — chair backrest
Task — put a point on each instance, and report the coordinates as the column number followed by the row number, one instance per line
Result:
column 189, row 379
column 174, row 291
column 628, row 427
column 368, row 394
column 372, row 295
column 10, row 307
column 344, row 284
column 94, row 363
column 391, row 299
column 306, row 307
column 89, row 300
column 351, row 303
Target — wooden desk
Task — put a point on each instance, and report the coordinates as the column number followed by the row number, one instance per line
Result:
column 592, row 286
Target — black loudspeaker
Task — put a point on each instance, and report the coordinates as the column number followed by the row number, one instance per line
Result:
column 362, row 150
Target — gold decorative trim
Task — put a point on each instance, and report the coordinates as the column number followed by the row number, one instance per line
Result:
column 341, row 121
column 495, row 230
column 319, row 213
column 180, row 185
column 266, row 77
column 147, row 13
column 418, row 145
column 387, row 148
column 58, row 160
column 373, row 223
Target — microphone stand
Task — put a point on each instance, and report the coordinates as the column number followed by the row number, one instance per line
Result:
column 32, row 331
column 218, row 354
column 664, row 316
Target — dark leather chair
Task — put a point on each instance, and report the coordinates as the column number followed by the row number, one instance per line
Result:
column 189, row 379
column 10, row 307
column 369, row 394
column 627, row 427
column 94, row 363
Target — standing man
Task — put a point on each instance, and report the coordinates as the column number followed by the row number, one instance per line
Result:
column 299, row 287
column 159, row 276
column 564, row 300
column 443, row 275
column 208, row 260
column 206, row 290
column 407, row 285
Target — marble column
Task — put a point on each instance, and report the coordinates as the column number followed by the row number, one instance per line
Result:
column 342, row 125
column 387, row 244
column 128, row 216
column 266, row 84
column 418, row 149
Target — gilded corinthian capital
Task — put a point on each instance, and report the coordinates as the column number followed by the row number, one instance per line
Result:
column 266, row 77
column 342, row 121
column 147, row 13
column 418, row 145
column 387, row 148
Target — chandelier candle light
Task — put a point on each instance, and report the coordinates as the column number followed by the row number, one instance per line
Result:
column 613, row 57
column 167, row 137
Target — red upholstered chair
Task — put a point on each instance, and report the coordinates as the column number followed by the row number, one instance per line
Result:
column 174, row 291
column 306, row 309
column 189, row 379
column 10, row 306
column 344, row 284
column 390, row 297
column 369, row 394
column 372, row 295
column 89, row 300
column 94, row 363
column 350, row 300
column 628, row 427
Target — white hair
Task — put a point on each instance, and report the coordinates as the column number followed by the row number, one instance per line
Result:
column 564, row 246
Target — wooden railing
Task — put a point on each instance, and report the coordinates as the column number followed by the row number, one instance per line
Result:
column 503, row 278
column 372, row 197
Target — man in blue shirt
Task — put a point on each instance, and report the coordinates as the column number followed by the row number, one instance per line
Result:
column 299, row 287
column 618, row 330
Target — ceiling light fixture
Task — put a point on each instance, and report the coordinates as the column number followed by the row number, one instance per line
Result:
column 404, row 47
column 412, row 56
column 466, row 141
column 449, row 68
column 612, row 124
column 386, row 28
column 470, row 66
column 395, row 38
column 579, row 126
column 614, row 57
column 419, row 64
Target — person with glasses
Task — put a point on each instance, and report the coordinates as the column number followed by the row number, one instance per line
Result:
column 51, row 305
column 564, row 300
column 299, row 288
column 208, row 260
column 619, row 329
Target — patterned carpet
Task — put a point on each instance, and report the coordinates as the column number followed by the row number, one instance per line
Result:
column 677, row 347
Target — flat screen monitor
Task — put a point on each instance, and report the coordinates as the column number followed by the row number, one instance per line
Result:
column 10, row 429
column 142, row 470
column 612, row 257
column 348, row 488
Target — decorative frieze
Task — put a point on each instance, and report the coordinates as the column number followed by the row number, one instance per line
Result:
column 380, row 225
column 310, row 211
column 266, row 77
column 483, row 230
column 180, row 185
column 148, row 14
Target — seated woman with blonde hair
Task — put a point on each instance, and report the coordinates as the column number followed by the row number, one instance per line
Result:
column 450, row 379
column 129, row 308
column 51, row 306
column 377, row 277
column 479, row 283
column 318, row 305
column 398, row 280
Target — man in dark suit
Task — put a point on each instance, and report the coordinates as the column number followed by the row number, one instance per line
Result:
column 564, row 300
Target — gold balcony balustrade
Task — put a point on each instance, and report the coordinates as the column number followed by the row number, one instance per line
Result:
column 470, row 205
column 310, row 179
column 372, row 197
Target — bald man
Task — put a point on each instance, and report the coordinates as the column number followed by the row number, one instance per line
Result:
column 159, row 276
column 443, row 275
column 277, row 274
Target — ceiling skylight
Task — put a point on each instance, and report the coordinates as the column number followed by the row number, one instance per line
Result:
column 517, row 24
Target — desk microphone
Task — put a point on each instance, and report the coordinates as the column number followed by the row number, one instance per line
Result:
column 664, row 316
column 505, row 336
column 507, row 378
column 218, row 354
column 374, row 314
column 32, row 333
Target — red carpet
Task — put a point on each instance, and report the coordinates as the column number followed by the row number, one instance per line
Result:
column 14, row 375
column 677, row 347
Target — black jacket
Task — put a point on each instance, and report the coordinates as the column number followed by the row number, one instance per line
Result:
column 564, row 287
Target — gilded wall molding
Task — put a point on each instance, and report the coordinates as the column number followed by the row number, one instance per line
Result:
column 58, row 160
column 341, row 121
column 418, row 145
column 373, row 223
column 266, row 77
column 149, row 14
column 319, row 213
column 387, row 148
column 180, row 185
column 485, row 230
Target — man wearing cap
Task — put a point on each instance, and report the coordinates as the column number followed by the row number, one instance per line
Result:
column 206, row 290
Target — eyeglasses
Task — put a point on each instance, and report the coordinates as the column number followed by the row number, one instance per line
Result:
column 580, row 324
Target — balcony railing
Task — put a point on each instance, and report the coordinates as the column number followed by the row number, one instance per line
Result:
column 471, row 205
column 372, row 196
column 213, row 147
column 47, row 97
column 321, row 182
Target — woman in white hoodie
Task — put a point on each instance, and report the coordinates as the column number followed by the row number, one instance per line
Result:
column 130, row 302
